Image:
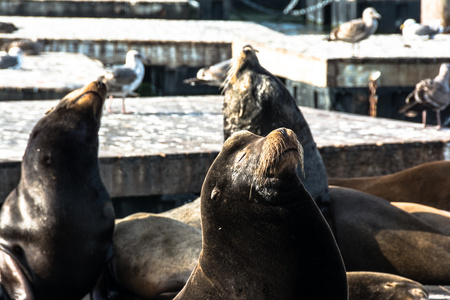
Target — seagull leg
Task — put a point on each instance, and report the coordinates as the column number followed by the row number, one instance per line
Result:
column 424, row 118
column 110, row 104
column 438, row 118
column 124, row 111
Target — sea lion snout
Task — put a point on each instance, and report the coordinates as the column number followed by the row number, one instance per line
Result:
column 281, row 149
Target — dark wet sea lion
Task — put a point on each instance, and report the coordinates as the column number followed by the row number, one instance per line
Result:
column 154, row 255
column 426, row 184
column 383, row 286
column 374, row 235
column 263, row 235
column 56, row 226
column 257, row 101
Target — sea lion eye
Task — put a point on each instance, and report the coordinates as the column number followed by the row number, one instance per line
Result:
column 215, row 193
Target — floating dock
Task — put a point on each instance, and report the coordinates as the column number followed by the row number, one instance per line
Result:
column 49, row 75
column 167, row 144
column 320, row 74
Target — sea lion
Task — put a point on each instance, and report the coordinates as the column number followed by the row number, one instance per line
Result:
column 436, row 218
column 425, row 184
column 263, row 235
column 188, row 213
column 56, row 226
column 257, row 101
column 374, row 235
column 383, row 286
column 154, row 255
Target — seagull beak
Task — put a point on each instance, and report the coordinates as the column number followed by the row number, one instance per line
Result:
column 402, row 26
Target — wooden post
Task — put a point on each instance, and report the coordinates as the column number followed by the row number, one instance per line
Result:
column 435, row 10
column 343, row 11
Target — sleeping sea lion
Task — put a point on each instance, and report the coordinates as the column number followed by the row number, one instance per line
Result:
column 437, row 218
column 154, row 255
column 257, row 101
column 188, row 213
column 263, row 235
column 383, row 286
column 56, row 226
column 374, row 235
column 426, row 184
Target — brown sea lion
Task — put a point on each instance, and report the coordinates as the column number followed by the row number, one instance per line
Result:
column 383, row 286
column 426, row 184
column 263, row 235
column 374, row 235
column 154, row 255
column 188, row 213
column 56, row 226
column 257, row 101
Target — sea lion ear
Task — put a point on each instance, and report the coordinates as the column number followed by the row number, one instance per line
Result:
column 49, row 111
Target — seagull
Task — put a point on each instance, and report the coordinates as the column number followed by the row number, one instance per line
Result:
column 411, row 30
column 6, row 27
column 29, row 46
column 123, row 80
column 214, row 75
column 12, row 59
column 429, row 94
column 357, row 30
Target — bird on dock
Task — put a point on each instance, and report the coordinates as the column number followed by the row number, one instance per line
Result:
column 411, row 30
column 12, row 59
column 214, row 75
column 357, row 30
column 6, row 27
column 123, row 80
column 29, row 46
column 431, row 94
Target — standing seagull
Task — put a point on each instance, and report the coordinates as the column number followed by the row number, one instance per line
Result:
column 429, row 94
column 123, row 80
column 11, row 60
column 357, row 30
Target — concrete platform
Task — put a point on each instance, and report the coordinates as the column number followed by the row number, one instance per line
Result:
column 167, row 145
column 171, row 43
column 50, row 75
column 313, row 60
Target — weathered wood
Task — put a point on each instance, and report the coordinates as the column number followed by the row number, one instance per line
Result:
column 435, row 10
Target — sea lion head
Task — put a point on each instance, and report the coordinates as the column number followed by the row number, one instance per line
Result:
column 246, row 59
column 66, row 137
column 260, row 225
column 255, row 167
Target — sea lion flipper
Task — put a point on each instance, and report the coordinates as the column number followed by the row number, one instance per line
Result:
column 13, row 280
